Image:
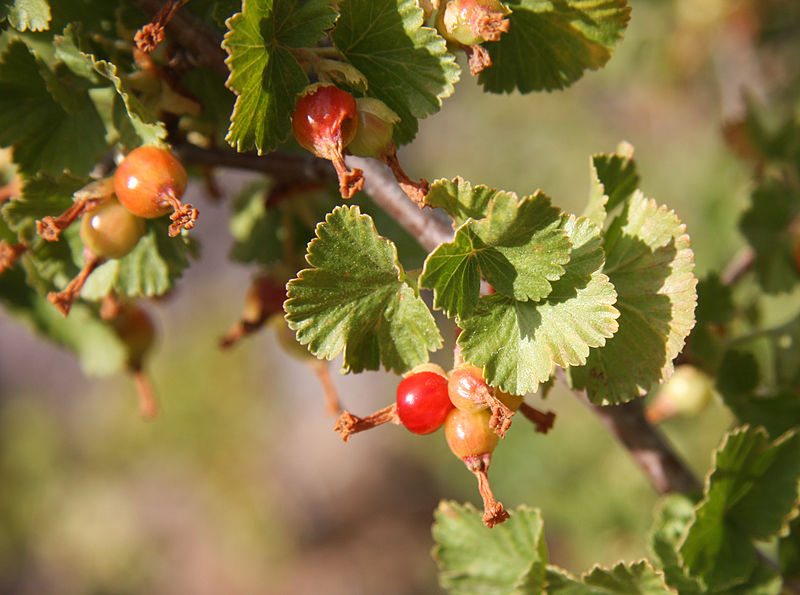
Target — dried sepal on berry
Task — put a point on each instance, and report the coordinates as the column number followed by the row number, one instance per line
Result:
column 469, row 23
column 84, row 200
column 151, row 35
column 472, row 440
column 374, row 138
column 324, row 122
column 150, row 182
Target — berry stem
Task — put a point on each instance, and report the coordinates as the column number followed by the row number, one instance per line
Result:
column 350, row 181
column 63, row 299
column 323, row 373
column 51, row 227
column 148, row 405
column 9, row 253
column 349, row 424
column 541, row 419
column 239, row 331
column 493, row 511
column 416, row 191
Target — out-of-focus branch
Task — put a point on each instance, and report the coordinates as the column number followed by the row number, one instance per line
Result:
column 654, row 455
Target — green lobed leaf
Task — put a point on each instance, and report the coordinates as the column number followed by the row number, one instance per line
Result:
column 714, row 301
column 519, row 248
column 752, row 494
column 97, row 346
column 519, row 343
column 356, row 298
column 738, row 381
column 407, row 65
column 789, row 552
column 614, row 180
column 47, row 136
column 28, row 15
column 459, row 198
column 150, row 269
column 650, row 263
column 509, row 558
column 550, row 44
column 672, row 518
column 638, row 577
column 265, row 75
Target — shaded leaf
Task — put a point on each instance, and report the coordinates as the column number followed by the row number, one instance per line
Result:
column 407, row 65
column 614, row 180
column 510, row 558
column 459, row 198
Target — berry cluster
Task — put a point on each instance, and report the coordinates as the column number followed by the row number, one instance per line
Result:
column 148, row 183
column 475, row 417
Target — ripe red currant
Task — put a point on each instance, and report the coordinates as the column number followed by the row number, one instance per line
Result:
column 150, row 182
column 422, row 402
column 110, row 230
column 325, row 121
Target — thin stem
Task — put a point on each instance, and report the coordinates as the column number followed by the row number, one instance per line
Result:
column 148, row 405
column 349, row 424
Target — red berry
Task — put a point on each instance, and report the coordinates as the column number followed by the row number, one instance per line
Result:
column 469, row 435
column 136, row 330
column 325, row 120
column 422, row 402
column 467, row 389
column 110, row 230
column 150, row 182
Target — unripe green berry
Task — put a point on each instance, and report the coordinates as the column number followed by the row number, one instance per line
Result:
column 110, row 230
column 376, row 122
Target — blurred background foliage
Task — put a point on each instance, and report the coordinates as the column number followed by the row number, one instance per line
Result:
column 241, row 486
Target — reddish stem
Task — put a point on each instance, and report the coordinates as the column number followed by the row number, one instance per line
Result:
column 349, row 424
column 239, row 331
column 63, row 299
column 543, row 420
column 323, row 373
column 148, row 405
column 416, row 191
column 493, row 511
column 51, row 227
column 9, row 253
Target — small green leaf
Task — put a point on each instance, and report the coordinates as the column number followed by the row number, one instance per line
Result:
column 614, row 180
column 519, row 343
column 650, row 263
column 255, row 230
column 265, row 75
column 459, row 198
column 520, row 248
column 509, row 558
column 407, row 65
column 752, row 494
column 549, row 45
column 623, row 579
column 355, row 298
column 766, row 226
column 45, row 135
column 29, row 15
